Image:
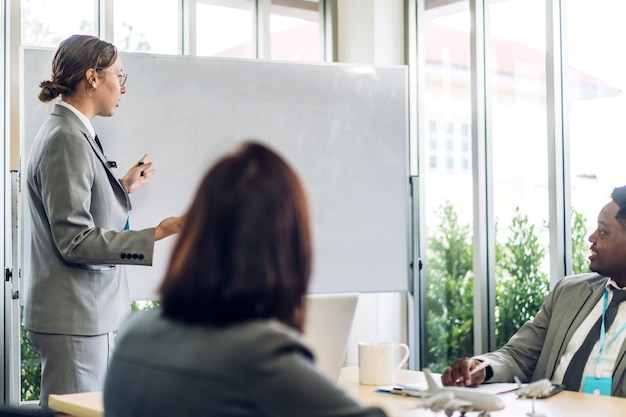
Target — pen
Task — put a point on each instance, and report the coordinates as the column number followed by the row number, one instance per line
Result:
column 480, row 367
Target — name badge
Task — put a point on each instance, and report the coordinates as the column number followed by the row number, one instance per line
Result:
column 598, row 386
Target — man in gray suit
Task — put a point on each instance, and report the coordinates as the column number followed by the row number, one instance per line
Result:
column 78, row 293
column 570, row 340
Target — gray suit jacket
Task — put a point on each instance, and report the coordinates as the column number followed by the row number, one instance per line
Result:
column 78, row 210
column 536, row 349
column 253, row 369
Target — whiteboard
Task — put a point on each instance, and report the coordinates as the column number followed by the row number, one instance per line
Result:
column 344, row 129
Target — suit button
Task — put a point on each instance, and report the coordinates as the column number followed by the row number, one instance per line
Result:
column 140, row 256
column 123, row 256
column 135, row 256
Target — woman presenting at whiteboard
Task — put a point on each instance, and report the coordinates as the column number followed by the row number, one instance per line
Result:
column 78, row 293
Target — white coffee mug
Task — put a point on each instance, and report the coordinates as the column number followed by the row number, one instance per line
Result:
column 377, row 363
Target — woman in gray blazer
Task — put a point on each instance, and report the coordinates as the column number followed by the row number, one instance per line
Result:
column 78, row 294
column 225, row 342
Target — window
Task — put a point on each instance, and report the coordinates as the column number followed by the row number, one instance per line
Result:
column 142, row 26
column 520, row 165
column 596, row 81
column 295, row 30
column 447, row 193
column 465, row 130
column 450, row 129
column 432, row 127
column 48, row 22
column 514, row 192
column 225, row 28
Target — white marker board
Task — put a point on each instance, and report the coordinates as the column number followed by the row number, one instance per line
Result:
column 344, row 128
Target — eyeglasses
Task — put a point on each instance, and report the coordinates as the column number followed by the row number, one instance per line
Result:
column 120, row 77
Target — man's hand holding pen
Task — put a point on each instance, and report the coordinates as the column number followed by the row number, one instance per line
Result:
column 465, row 372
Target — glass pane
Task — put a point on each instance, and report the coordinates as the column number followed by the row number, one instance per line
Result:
column 48, row 22
column 295, row 30
column 596, row 79
column 517, row 78
column 225, row 28
column 140, row 26
column 445, row 153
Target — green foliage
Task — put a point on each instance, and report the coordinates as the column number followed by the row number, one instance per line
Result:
column 580, row 244
column 144, row 305
column 521, row 286
column 30, row 370
column 449, row 325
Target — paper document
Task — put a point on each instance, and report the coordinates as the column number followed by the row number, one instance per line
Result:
column 416, row 390
column 496, row 387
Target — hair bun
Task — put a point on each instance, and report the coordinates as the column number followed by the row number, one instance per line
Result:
column 49, row 90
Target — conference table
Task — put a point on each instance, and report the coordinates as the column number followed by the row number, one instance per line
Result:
column 563, row 404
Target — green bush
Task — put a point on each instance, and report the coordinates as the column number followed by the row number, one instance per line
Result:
column 449, row 295
column 580, row 244
column 144, row 305
column 521, row 286
column 30, row 369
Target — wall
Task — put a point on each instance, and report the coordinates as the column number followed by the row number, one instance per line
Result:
column 372, row 32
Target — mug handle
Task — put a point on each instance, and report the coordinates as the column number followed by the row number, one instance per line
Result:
column 405, row 357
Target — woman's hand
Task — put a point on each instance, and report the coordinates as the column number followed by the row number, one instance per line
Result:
column 168, row 227
column 138, row 175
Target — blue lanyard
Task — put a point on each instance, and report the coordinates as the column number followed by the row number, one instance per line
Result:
column 603, row 329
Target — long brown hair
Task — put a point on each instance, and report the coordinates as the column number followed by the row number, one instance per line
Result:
column 245, row 249
column 73, row 58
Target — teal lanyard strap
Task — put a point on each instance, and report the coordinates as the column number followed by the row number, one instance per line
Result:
column 603, row 330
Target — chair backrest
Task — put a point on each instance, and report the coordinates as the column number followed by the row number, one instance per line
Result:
column 13, row 411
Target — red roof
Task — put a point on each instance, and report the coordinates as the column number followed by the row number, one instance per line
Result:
column 509, row 55
column 512, row 58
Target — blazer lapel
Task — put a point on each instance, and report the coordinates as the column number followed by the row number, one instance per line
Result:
column 582, row 302
column 105, row 163
column 74, row 120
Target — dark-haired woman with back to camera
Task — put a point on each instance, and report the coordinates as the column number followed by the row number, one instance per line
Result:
column 77, row 292
column 225, row 341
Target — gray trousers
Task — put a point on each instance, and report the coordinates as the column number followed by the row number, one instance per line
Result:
column 71, row 364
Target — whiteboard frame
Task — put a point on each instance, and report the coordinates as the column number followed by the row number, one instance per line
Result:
column 344, row 128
